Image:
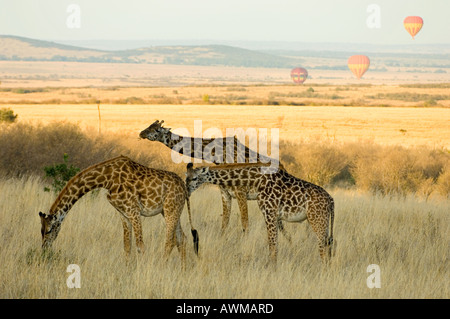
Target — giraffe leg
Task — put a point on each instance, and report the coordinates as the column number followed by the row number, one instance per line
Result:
column 226, row 207
column 241, row 197
column 172, row 210
column 126, row 235
column 319, row 224
column 126, row 222
column 283, row 230
column 181, row 243
column 137, row 228
column 171, row 226
column 270, row 217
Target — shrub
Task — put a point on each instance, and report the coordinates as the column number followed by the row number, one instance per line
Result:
column 322, row 164
column 60, row 174
column 134, row 100
column 7, row 115
column 317, row 163
column 390, row 171
column 27, row 149
column 443, row 182
column 430, row 102
column 385, row 170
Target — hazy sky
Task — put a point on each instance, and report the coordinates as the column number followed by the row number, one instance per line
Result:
column 344, row 21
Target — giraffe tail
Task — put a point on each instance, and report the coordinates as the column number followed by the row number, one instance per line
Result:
column 331, row 243
column 193, row 231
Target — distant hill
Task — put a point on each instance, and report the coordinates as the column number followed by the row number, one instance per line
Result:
column 25, row 49
column 13, row 48
column 320, row 56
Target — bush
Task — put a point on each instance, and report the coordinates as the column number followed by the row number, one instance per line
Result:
column 317, row 163
column 398, row 171
column 7, row 115
column 27, row 149
column 205, row 98
column 322, row 164
column 385, row 170
column 443, row 182
column 60, row 174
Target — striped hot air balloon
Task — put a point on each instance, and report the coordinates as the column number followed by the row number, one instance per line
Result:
column 299, row 75
column 358, row 64
column 413, row 25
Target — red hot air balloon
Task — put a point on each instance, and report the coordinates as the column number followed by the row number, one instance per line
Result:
column 413, row 25
column 299, row 75
column 358, row 64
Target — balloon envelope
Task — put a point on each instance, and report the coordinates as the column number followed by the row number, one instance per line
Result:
column 413, row 25
column 299, row 75
column 358, row 64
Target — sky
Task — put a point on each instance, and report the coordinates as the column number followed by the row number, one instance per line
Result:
column 321, row 21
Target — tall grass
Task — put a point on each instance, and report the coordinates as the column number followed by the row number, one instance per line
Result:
column 27, row 149
column 406, row 237
column 387, row 170
column 417, row 95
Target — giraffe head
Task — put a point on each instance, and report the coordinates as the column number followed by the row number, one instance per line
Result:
column 50, row 227
column 155, row 132
column 195, row 177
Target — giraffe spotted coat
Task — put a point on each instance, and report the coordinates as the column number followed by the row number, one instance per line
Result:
column 134, row 190
column 281, row 196
column 219, row 153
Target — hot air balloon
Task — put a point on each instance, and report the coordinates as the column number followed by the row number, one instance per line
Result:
column 299, row 75
column 358, row 64
column 413, row 25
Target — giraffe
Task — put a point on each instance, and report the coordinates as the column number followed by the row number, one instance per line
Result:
column 156, row 132
column 281, row 196
column 134, row 190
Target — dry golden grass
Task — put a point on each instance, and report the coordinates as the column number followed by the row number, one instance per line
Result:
column 389, row 170
column 79, row 74
column 314, row 94
column 380, row 125
column 407, row 238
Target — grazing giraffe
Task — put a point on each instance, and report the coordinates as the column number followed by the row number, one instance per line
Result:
column 281, row 196
column 134, row 190
column 156, row 132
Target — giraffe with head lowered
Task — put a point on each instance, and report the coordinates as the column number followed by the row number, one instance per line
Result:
column 281, row 196
column 134, row 190
column 239, row 154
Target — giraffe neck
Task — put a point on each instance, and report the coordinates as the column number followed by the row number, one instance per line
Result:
column 97, row 176
column 186, row 145
column 242, row 177
column 213, row 150
column 171, row 139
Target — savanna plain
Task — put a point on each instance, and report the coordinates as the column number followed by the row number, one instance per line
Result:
column 382, row 152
